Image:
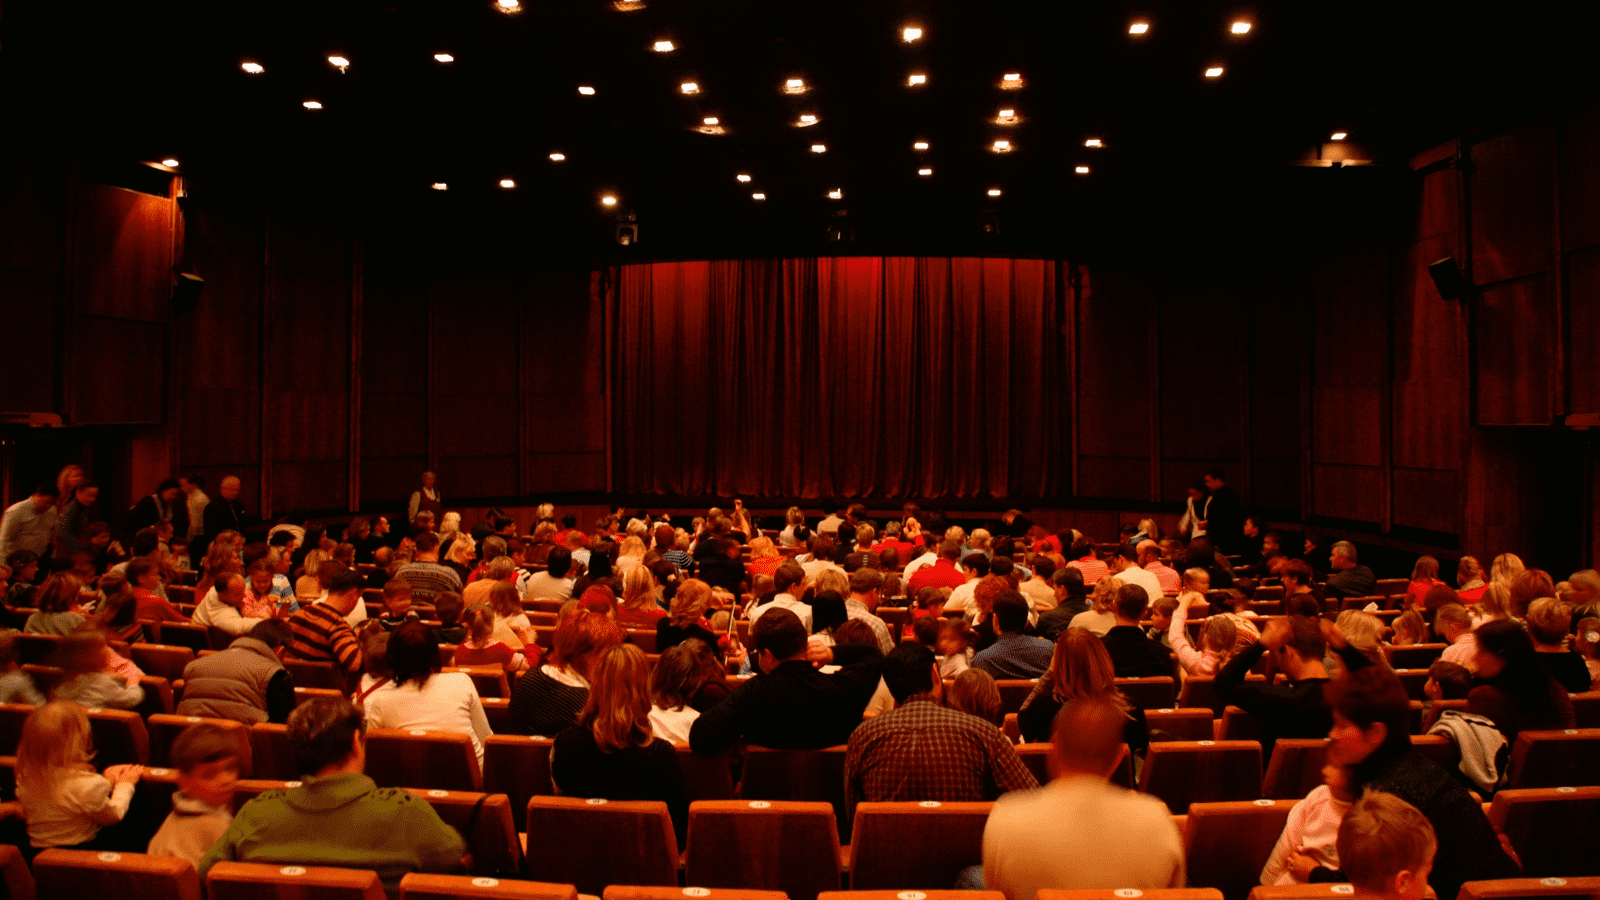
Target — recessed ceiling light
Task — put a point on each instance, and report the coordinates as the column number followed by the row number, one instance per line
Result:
column 924, row 172
column 742, row 177
column 758, row 196
column 1139, row 28
column 794, row 86
column 910, row 33
column 1082, row 170
column 312, row 104
column 663, row 47
column 440, row 186
column 1006, row 117
column 917, row 78
column 1241, row 27
column 508, row 6
column 1093, row 142
column 994, row 192
column 252, row 68
column 806, row 121
column 1001, row 147
column 339, row 62
column 819, row 148
column 507, row 183
column 608, row 200
column 1214, row 72
column 627, row 5
column 586, row 90
column 711, row 120
column 1011, row 81
column 1338, row 136
column 689, row 87
column 836, row 194
column 558, row 156
column 444, row 57
column 170, row 163
column 920, row 145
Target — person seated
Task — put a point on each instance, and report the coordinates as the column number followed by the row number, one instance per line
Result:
column 1513, row 690
column 1125, row 565
column 674, row 681
column 117, row 613
column 1013, row 654
column 1454, row 624
column 1071, row 601
column 687, row 618
column 89, row 676
column 548, row 699
column 246, row 682
column 1160, row 624
column 322, row 632
column 420, row 696
column 480, row 648
column 1292, row 710
column 16, row 686
column 1137, row 845
column 58, row 598
column 1100, row 618
column 1133, row 653
column 786, row 582
column 206, row 757
column 447, row 609
column 65, row 803
column 1079, row 668
column 144, row 574
column 1349, row 578
column 1409, row 628
column 1081, row 556
column 1446, row 681
column 954, row 643
column 223, row 607
column 1387, row 848
column 1219, row 638
column 976, row 694
column 397, row 609
column 338, row 817
column 1548, row 621
column 1307, row 851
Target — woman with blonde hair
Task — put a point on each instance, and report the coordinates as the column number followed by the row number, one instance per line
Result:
column 1469, row 580
column 307, row 587
column 1505, row 568
column 764, row 558
column 64, row 801
column 221, row 558
column 687, row 618
column 463, row 550
column 1495, row 604
column 629, row 556
column 1080, row 667
column 612, row 753
column 639, row 608
column 1364, row 632
column 1586, row 643
column 1099, row 618
column 511, row 624
column 791, row 519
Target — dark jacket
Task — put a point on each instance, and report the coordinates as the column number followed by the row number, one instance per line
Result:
column 794, row 706
column 578, row 768
column 1135, row 656
column 1356, row 581
column 1294, row 710
column 222, row 515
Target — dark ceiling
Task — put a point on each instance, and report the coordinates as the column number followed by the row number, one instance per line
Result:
column 147, row 81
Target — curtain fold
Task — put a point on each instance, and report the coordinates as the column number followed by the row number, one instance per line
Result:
column 841, row 376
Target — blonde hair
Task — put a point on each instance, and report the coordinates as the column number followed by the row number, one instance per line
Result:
column 794, row 516
column 1148, row 526
column 763, row 547
column 1380, row 837
column 1587, row 639
column 1496, row 601
column 1506, row 567
column 460, row 547
column 690, row 602
column 1219, row 635
column 1104, row 595
column 631, row 546
column 638, row 589
column 55, row 740
column 1363, row 630
column 1410, row 629
column 504, row 600
column 1080, row 667
column 479, row 622
column 618, row 709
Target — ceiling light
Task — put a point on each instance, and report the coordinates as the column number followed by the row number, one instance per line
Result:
column 794, row 86
column 440, row 186
column 339, row 62
column 917, row 78
column 1339, row 136
column 711, row 120
column 444, row 57
column 806, row 121
column 836, row 194
column 1001, row 147
column 743, row 178
column 689, row 87
column 920, row 145
column 608, row 200
column 252, row 68
column 1010, row 81
column 1006, row 117
column 910, row 33
column 663, row 47
column 627, row 5
column 758, row 196
column 507, row 183
column 1082, row 170
column 1139, row 28
column 586, row 90
column 1214, row 72
column 1241, row 28
column 508, row 6
column 819, row 148
column 558, row 156
column 924, row 172
column 312, row 104
column 994, row 192
column 170, row 163
column 1093, row 142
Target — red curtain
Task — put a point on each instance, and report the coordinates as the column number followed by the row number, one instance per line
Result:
column 858, row 377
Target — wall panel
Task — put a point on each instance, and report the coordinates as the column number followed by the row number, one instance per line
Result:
column 1515, row 341
column 31, row 305
column 122, row 253
column 1511, row 189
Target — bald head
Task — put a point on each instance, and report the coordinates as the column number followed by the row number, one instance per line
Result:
column 229, row 487
column 1087, row 738
column 1149, row 551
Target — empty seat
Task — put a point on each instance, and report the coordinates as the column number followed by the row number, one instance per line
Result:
column 948, row 838
column 498, row 711
column 16, row 882
column 1238, row 725
column 594, row 843
column 315, row 674
column 1198, row 690
column 1556, row 758
column 271, row 881
column 1413, row 680
column 415, row 758
column 161, row 659
column 1552, row 829
column 1295, row 768
column 1013, row 692
column 643, row 638
column 164, row 729
column 129, row 876
column 1227, row 844
column 1586, row 708
column 705, row 777
column 270, row 756
column 1124, row 894
column 183, row 634
column 1185, row 772
column 517, row 766
column 488, row 824
column 803, row 775
column 489, row 680
column 1413, row 656
column 1160, row 692
column 1542, row 888
column 766, row 845
column 1180, row 724
column 645, row 892
column 417, row 886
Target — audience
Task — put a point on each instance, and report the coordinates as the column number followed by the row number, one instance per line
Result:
column 687, row 618
column 223, row 607
column 1013, row 654
column 246, row 682
column 1548, row 620
column 547, row 699
column 1099, row 618
column 64, row 802
column 420, row 696
column 1296, row 709
column 1307, row 850
column 1080, row 668
column 1349, row 578
column 90, row 676
column 1513, row 690
column 1454, row 626
column 1388, row 848
column 206, row 757
column 321, row 633
column 786, row 579
column 478, row 647
column 1219, row 636
column 1125, row 566
column 424, row 573
column 976, row 694
column 1133, row 653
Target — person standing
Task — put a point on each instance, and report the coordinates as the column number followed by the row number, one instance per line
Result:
column 225, row 513
column 426, row 499
column 28, row 523
column 1224, row 516
column 195, row 502
column 154, row 508
column 72, row 529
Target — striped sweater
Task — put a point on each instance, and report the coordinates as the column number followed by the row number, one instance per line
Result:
column 322, row 635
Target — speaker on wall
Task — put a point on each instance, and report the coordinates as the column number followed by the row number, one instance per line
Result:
column 1447, row 278
column 186, row 291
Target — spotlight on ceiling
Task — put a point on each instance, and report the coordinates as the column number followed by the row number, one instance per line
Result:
column 689, row 87
column 795, row 86
column 1007, row 117
column 508, row 6
column 758, row 196
column 1001, row 146
column 663, row 47
column 819, row 148
column 558, row 156
column 1240, row 27
column 1214, row 72
column 627, row 5
column 910, row 34
column 312, row 104
column 1093, row 142
column 924, row 172
column 252, row 68
column 339, row 62
column 1081, row 170
column 507, row 183
column 994, row 192
column 170, row 163
column 627, row 229
column 1338, row 136
column 444, row 57
column 440, row 186
column 916, row 78
column 1139, row 28
column 836, row 194
column 920, row 145
column 586, row 90
column 742, row 178
column 1011, row 81
column 608, row 200
column 711, row 120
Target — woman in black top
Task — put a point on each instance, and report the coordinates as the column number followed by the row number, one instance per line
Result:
column 548, row 699
column 1512, row 689
column 686, row 620
column 611, row 753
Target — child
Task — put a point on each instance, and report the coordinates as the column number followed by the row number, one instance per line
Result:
column 1218, row 637
column 1409, row 629
column 447, row 608
column 396, row 605
column 480, row 648
column 16, row 686
column 375, row 671
column 975, row 693
column 1386, row 848
column 90, row 675
column 1587, row 644
column 207, row 759
column 65, row 802
column 1454, row 625
column 1309, row 836
column 1161, row 619
column 955, row 645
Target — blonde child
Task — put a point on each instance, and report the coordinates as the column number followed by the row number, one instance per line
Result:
column 1218, row 638
column 65, row 802
column 1386, row 848
column 93, row 675
column 480, row 648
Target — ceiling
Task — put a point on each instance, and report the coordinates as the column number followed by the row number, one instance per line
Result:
column 144, row 82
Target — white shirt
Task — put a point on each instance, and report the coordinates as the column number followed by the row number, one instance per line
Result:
column 214, row 613
column 448, row 701
column 82, row 804
column 1097, row 622
column 672, row 724
column 830, row 525
column 784, row 601
column 1143, row 578
column 26, row 528
column 962, row 597
column 926, row 559
column 817, row 567
column 198, row 501
column 544, row 586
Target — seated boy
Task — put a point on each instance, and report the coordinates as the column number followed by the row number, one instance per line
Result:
column 1386, row 848
column 1446, row 681
column 447, row 608
column 396, row 605
column 207, row 759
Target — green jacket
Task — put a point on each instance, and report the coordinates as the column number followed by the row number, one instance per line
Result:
column 345, row 821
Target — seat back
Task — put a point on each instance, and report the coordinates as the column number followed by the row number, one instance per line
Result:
column 915, row 846
column 270, row 755
column 1586, row 708
column 643, row 638
column 184, row 634
column 417, row 886
column 766, row 845
column 488, row 824
column 119, row 737
column 1180, row 724
column 444, row 760
column 308, row 673
column 1037, row 758
column 1541, row 888
column 705, row 777
column 1413, row 680
column 1199, row 690
column 1013, row 691
column 164, row 729
column 1238, row 725
column 1556, row 758
column 1227, row 844
column 593, row 843
column 12, row 715
column 1552, row 829
column 162, row 659
column 1158, row 894
column 489, row 680
column 270, row 881
column 801, row 775
column 1439, row 748
column 1295, row 768
column 1185, row 772
column 1413, row 656
column 1159, row 692
column 37, row 649
column 16, row 882
column 645, row 892
column 130, row 876
column 518, row 767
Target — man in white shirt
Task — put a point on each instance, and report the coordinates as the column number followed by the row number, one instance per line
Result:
column 786, row 579
column 1136, row 845
column 27, row 524
column 220, row 607
column 830, row 525
column 1125, row 565
column 976, row 567
column 195, row 499
column 552, row 583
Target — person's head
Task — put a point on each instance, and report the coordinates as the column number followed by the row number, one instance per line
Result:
column 788, row 576
column 678, row 675
column 975, row 693
column 1409, row 628
column 1468, row 570
column 146, row 574
column 447, row 607
column 827, row 610
column 1586, row 639
column 1219, row 635
column 24, row 565
column 207, row 759
column 478, row 621
column 426, row 546
column 1496, row 601
column 976, row 564
column 1452, row 681
column 925, row 630
column 229, row 488
column 599, row 598
column 580, row 639
column 504, row 601
column 855, row 631
column 1386, row 847
column 950, row 550
column 59, row 593
column 1197, row 579
column 274, row 633
column 1087, row 740
column 1370, row 712
column 397, row 597
column 55, row 743
column 777, row 637
column 690, row 602
column 1584, row 586
column 413, row 653
column 864, row 585
column 1081, row 667
column 1452, row 621
column 910, row 670
column 45, row 496
column 1214, row 479
column 327, row 736
column 1438, row 597
column 1131, row 602
column 1502, row 644
column 954, row 636
column 1305, row 644
column 1426, row 569
column 1529, row 586
column 1343, row 555
column 1296, row 574
column 1505, row 568
column 1010, row 612
column 1104, row 595
column 344, row 590
column 87, row 492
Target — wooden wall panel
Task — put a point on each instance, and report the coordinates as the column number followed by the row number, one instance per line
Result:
column 125, row 363
column 1275, row 350
column 1515, row 342
column 565, row 384
column 1510, row 191
column 1113, row 477
column 1428, row 498
column 1349, row 386
column 1583, row 331
column 33, row 214
column 216, row 345
column 221, row 427
column 31, row 306
column 1429, row 336
column 1348, row 492
column 308, row 321
column 474, row 385
column 1580, row 178
column 1114, row 378
column 122, row 253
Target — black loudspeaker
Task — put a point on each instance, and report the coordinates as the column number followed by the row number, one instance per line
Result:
column 1447, row 278
column 186, row 291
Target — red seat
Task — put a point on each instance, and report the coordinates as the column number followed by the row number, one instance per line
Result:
column 489, row 680
column 161, row 659
column 271, row 881
column 1556, row 758
column 800, row 775
column 1439, row 748
column 1180, row 724
column 164, row 729
column 183, row 634
column 1199, row 690
column 1013, row 692
column 270, row 756
column 1227, row 844
column 1413, row 680
column 644, row 892
column 16, row 882
column 925, row 895
column 498, row 711
column 1145, row 894
column 915, row 846
column 1185, row 772
column 1413, row 656
column 1295, row 768
column 486, row 822
column 1541, row 888
column 415, row 758
column 308, row 673
column 1238, row 725
column 766, row 845
column 417, row 886
column 1586, row 708
column 705, row 777
column 128, row 876
column 643, row 638
column 1159, row 692
column 595, row 843
column 1552, row 829
column 518, row 767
